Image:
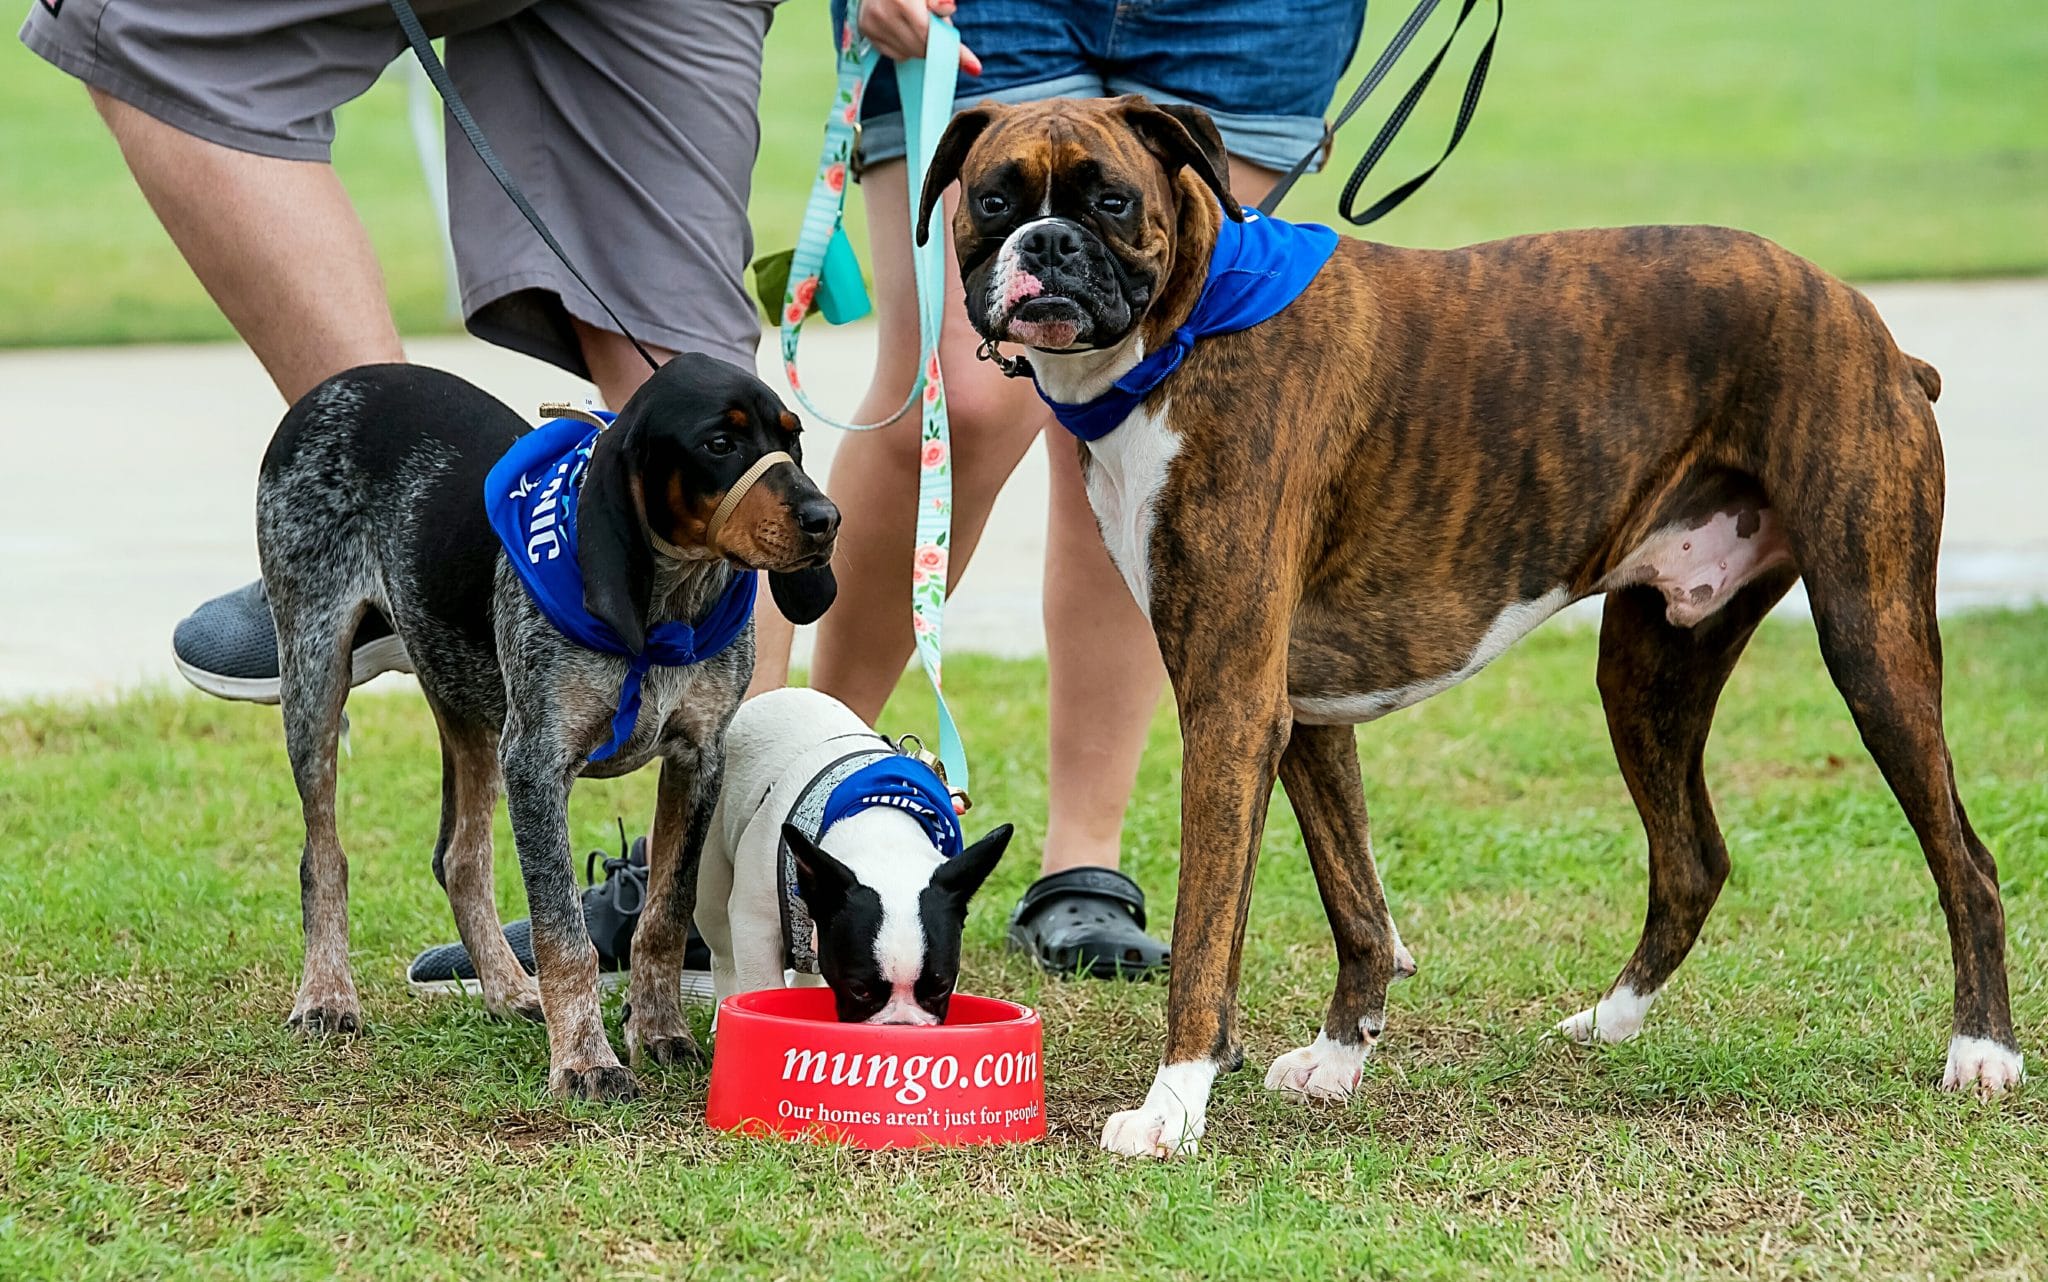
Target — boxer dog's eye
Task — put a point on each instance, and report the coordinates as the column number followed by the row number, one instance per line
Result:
column 1112, row 203
column 994, row 206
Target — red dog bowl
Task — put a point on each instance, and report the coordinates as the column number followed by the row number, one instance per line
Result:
column 785, row 1065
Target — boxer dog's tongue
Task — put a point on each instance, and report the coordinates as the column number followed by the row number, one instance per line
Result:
column 1044, row 322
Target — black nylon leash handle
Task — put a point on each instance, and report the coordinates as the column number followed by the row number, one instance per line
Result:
column 1392, row 53
column 423, row 49
column 1467, row 106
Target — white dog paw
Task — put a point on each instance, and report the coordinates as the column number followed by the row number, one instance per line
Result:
column 1149, row 1132
column 1170, row 1121
column 1618, row 1017
column 1324, row 1069
column 1983, row 1064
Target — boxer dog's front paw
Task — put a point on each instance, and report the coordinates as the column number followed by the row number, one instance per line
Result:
column 1170, row 1122
column 1982, row 1064
column 1324, row 1070
column 1617, row 1017
column 1152, row 1132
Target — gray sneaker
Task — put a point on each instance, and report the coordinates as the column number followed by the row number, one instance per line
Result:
column 228, row 647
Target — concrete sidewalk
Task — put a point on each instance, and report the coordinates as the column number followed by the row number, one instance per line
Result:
column 133, row 474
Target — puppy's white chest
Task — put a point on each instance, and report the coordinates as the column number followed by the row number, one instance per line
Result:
column 1126, row 471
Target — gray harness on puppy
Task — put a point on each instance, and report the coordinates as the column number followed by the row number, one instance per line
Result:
column 799, row 932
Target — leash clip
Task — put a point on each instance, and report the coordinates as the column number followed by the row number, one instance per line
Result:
column 913, row 747
column 1011, row 366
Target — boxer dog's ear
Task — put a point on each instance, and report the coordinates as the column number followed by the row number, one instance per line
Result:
column 611, row 543
column 954, row 144
column 1184, row 137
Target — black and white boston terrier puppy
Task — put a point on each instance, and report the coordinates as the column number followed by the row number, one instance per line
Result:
column 834, row 858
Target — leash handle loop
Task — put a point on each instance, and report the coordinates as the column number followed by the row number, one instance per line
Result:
column 927, row 87
column 1467, row 106
column 430, row 62
column 825, row 212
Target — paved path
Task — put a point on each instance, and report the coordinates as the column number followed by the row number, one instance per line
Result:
column 131, row 473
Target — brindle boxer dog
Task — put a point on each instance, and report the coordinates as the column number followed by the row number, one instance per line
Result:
column 1365, row 499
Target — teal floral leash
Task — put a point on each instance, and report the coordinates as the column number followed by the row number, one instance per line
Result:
column 926, row 87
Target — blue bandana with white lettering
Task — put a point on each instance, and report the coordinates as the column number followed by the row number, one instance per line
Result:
column 1258, row 267
column 900, row 783
column 530, row 497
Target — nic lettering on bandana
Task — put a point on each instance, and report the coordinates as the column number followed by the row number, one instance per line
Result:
column 1257, row 268
column 530, row 497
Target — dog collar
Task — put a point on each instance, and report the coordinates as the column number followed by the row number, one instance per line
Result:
column 1256, row 269
column 897, row 782
column 863, row 779
column 530, row 497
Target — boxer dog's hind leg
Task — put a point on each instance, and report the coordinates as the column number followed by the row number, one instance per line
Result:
column 1320, row 772
column 1884, row 653
column 1229, row 678
column 463, row 864
column 313, row 670
column 1867, row 533
column 684, row 803
column 1659, row 684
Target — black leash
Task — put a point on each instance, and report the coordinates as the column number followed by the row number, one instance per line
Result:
column 423, row 49
column 1395, row 48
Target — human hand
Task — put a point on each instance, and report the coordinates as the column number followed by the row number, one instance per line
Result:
column 897, row 28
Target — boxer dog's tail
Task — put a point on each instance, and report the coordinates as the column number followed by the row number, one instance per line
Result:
column 1927, row 376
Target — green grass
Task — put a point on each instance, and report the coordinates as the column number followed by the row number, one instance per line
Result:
column 1776, row 1120
column 1882, row 138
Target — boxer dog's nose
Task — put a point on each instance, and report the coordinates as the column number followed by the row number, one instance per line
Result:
column 1048, row 245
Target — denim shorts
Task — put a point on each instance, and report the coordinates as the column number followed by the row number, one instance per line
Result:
column 1264, row 70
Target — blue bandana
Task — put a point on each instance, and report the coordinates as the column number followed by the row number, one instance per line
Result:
column 530, row 497
column 1257, row 268
column 900, row 783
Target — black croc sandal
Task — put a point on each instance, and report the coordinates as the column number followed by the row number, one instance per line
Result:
column 1087, row 921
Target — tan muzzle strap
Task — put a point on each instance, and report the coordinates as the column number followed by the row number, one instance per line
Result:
column 732, row 498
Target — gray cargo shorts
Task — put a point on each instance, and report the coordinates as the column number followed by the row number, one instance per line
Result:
column 632, row 125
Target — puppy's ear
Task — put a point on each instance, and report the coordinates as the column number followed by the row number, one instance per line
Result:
column 823, row 881
column 803, row 596
column 1183, row 137
column 611, row 543
column 954, row 144
column 963, row 874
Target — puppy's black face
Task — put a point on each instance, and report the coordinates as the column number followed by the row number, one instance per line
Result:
column 889, row 934
column 1069, row 213
column 683, row 441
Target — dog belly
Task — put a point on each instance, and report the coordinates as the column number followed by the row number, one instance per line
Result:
column 1698, row 566
column 1320, row 697
column 1125, row 471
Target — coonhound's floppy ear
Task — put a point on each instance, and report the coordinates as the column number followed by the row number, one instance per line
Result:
column 803, row 596
column 611, row 545
column 1182, row 136
column 954, row 144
